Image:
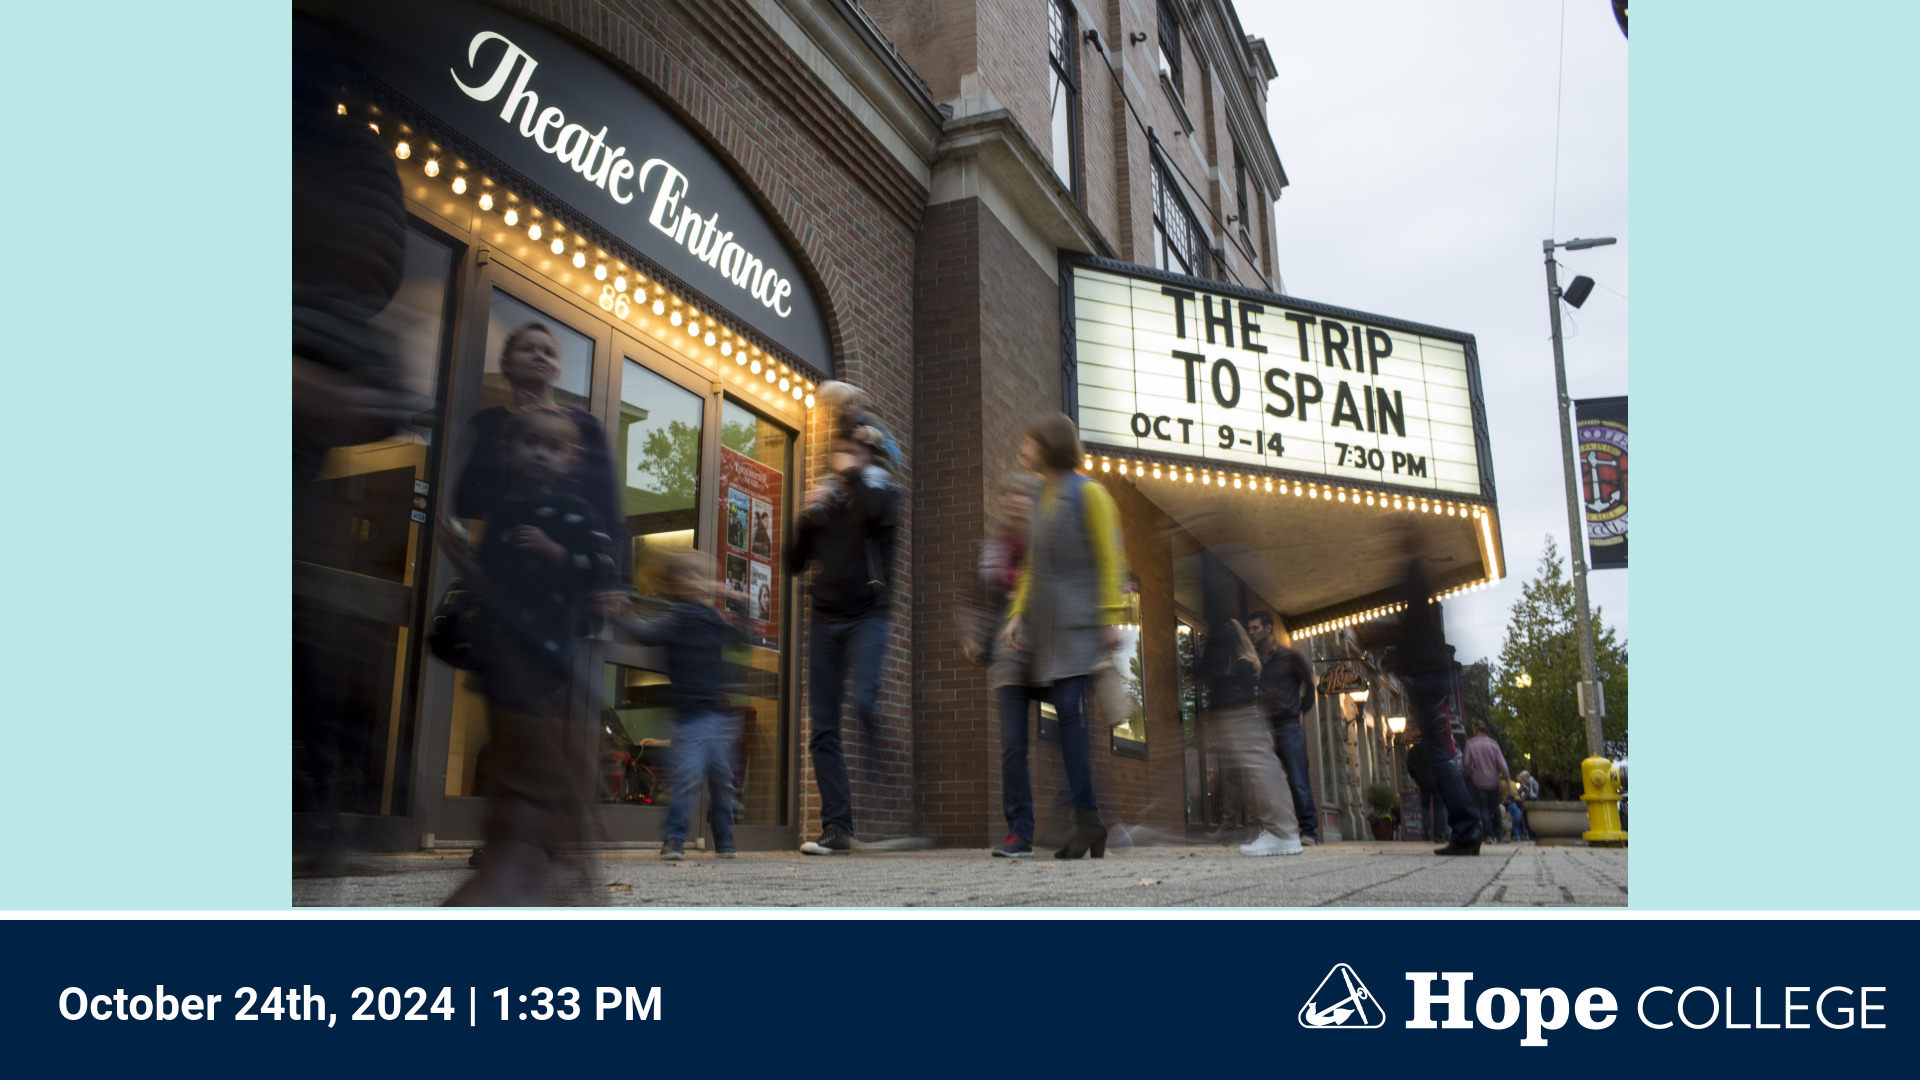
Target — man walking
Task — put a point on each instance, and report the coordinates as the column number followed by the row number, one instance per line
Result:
column 1286, row 694
column 1486, row 767
column 1424, row 663
column 847, row 528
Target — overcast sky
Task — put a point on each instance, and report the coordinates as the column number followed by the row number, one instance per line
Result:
column 1419, row 142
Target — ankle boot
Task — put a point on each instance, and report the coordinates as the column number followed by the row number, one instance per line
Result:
column 1088, row 835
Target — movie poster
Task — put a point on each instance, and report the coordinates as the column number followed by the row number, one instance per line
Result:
column 750, row 530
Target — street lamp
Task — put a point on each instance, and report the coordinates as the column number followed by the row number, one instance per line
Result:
column 1591, row 707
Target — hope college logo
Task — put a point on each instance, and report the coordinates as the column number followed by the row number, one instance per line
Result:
column 1342, row 1001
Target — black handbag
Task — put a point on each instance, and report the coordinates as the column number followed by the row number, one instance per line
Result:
column 454, row 630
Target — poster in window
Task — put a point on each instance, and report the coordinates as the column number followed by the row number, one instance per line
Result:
column 762, row 530
column 761, row 591
column 737, row 583
column 738, row 507
column 750, row 499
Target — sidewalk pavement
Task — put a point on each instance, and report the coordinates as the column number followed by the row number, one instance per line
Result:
column 1334, row 875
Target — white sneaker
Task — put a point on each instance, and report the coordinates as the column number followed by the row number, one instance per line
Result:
column 1268, row 844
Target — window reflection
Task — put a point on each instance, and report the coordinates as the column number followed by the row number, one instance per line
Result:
column 659, row 450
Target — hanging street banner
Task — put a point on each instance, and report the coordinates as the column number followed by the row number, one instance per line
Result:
column 1601, row 434
column 1184, row 367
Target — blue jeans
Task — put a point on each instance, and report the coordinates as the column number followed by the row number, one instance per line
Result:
column 1429, row 761
column 1520, row 830
column 703, row 755
column 1489, row 801
column 836, row 650
column 1069, row 700
column 1290, row 743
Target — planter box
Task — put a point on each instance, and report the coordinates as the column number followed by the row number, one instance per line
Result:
column 1557, row 822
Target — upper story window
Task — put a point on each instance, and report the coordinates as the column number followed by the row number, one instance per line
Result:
column 1170, row 47
column 1240, row 189
column 1064, row 92
column 1178, row 242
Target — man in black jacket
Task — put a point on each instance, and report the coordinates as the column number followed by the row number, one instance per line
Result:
column 1286, row 694
column 847, row 528
column 1424, row 662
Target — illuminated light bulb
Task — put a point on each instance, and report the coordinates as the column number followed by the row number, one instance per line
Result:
column 511, row 217
column 709, row 339
column 786, row 385
column 1343, row 496
column 726, row 348
column 1189, row 477
column 1156, row 472
column 579, row 260
column 1236, row 483
column 1089, row 460
column 374, row 126
column 1206, row 478
column 693, row 328
column 620, row 284
column 675, row 319
column 659, row 307
column 486, row 200
column 772, row 374
column 600, row 272
column 459, row 185
column 1269, row 486
column 809, row 401
column 798, row 393
column 340, row 109
column 402, row 151
column 558, row 246
column 640, row 297
column 1369, row 500
column 740, row 358
column 432, row 167
column 533, row 231
column 754, row 367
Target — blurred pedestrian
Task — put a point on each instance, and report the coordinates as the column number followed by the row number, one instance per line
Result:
column 1286, row 694
column 1486, row 767
column 1063, row 622
column 1242, row 737
column 530, row 362
column 1517, row 817
column 1424, row 663
column 349, row 239
column 847, row 528
column 705, row 727
column 544, row 549
column 1002, row 558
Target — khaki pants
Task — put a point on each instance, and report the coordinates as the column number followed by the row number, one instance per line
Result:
column 1241, row 737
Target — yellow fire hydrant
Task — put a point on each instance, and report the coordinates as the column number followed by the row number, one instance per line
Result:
column 1602, row 797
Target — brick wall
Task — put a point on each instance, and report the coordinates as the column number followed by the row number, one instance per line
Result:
column 851, row 210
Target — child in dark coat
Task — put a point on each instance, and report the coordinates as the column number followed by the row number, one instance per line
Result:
column 705, row 727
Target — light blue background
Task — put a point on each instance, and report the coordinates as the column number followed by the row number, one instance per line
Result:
column 144, row 750
column 144, row 756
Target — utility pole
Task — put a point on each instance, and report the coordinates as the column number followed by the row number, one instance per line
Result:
column 1591, row 707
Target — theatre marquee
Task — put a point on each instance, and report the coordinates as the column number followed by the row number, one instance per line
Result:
column 1181, row 367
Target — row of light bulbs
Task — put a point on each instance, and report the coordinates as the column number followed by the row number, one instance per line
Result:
column 621, row 294
column 1312, row 491
column 1345, row 621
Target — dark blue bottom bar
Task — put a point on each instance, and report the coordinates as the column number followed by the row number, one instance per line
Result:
column 980, row 998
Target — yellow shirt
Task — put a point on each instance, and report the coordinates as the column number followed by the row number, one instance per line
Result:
column 1102, row 522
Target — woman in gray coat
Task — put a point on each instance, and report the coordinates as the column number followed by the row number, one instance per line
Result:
column 1061, row 625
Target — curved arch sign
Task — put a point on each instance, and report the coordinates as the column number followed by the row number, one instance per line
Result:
column 597, row 142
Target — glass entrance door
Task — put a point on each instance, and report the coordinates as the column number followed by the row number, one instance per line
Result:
column 357, row 546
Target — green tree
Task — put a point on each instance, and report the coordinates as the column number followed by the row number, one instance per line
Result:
column 671, row 459
column 1535, row 682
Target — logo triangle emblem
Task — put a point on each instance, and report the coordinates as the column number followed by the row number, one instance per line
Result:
column 1342, row 1001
